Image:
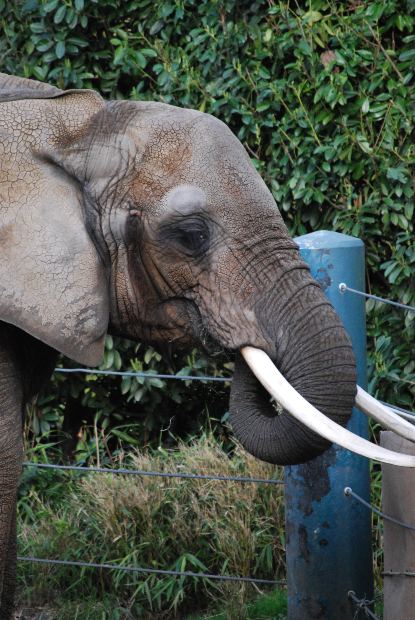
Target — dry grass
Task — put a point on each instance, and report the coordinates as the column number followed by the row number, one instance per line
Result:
column 197, row 525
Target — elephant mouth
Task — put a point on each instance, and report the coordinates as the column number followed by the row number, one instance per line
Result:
column 309, row 416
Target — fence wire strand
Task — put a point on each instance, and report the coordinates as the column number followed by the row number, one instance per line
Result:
column 343, row 287
column 350, row 493
column 119, row 373
column 362, row 604
column 396, row 573
column 404, row 413
column 160, row 474
column 144, row 375
column 156, row 571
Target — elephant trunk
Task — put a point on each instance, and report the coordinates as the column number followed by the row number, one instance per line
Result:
column 314, row 354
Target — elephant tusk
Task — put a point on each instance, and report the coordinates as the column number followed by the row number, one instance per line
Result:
column 384, row 415
column 279, row 388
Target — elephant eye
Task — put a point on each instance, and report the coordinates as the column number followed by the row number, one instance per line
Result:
column 191, row 235
column 193, row 240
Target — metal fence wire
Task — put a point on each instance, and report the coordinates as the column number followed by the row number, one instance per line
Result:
column 155, row 571
column 343, row 288
column 350, row 493
column 141, row 569
column 361, row 605
column 141, row 472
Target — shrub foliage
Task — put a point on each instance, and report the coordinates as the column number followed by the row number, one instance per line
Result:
column 321, row 93
column 322, row 96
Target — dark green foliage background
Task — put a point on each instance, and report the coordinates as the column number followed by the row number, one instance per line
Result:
column 322, row 96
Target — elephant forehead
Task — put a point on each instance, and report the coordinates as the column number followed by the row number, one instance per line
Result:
column 200, row 151
column 185, row 199
column 163, row 163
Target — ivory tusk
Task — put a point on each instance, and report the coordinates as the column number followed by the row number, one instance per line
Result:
column 273, row 381
column 388, row 418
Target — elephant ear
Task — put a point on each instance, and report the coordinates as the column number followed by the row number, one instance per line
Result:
column 53, row 284
column 12, row 88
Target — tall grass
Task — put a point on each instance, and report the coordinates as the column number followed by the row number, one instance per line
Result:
column 197, row 525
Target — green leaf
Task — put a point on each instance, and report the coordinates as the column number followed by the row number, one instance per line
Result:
column 156, row 27
column 407, row 55
column 77, row 41
column 108, row 360
column 40, row 73
column 304, row 46
column 117, row 361
column 264, row 73
column 364, row 144
column 140, row 59
column 409, row 210
column 60, row 49
column 125, row 437
column 397, row 174
column 44, row 46
column 37, row 27
column 311, row 17
column 50, row 6
column 125, row 385
column 267, row 35
column 150, row 53
column 27, row 7
column 60, row 14
column 138, row 394
column 118, row 55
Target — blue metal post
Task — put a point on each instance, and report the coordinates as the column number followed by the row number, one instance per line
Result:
column 328, row 537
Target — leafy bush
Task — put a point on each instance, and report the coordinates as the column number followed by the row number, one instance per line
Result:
column 196, row 525
column 95, row 410
column 321, row 94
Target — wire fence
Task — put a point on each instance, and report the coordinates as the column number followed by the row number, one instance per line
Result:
column 154, row 571
column 350, row 493
column 145, row 375
column 404, row 413
column 361, row 605
column 343, row 288
column 160, row 474
column 123, row 471
column 148, row 570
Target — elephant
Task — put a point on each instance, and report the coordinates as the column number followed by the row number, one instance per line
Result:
column 149, row 221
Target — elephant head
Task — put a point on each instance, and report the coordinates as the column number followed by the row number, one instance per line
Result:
column 151, row 221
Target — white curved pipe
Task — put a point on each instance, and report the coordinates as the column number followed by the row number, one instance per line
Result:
column 385, row 416
column 273, row 381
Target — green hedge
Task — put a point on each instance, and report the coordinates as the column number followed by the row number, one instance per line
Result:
column 320, row 93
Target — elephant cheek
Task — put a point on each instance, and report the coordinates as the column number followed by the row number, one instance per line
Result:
column 233, row 325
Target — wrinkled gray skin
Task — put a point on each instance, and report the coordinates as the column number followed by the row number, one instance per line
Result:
column 149, row 221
